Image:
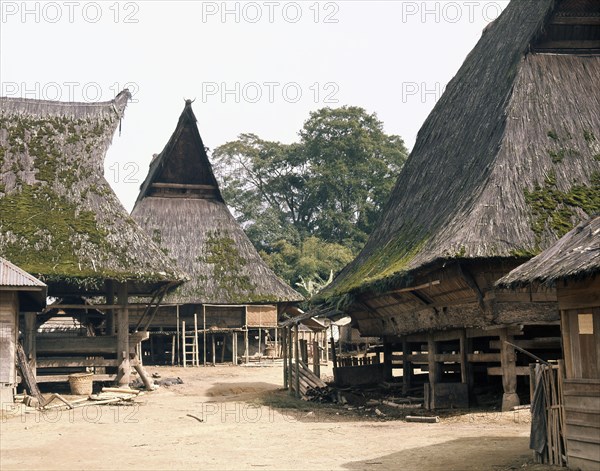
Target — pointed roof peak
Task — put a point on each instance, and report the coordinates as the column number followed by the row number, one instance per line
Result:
column 182, row 169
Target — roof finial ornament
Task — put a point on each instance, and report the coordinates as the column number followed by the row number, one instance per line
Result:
column 188, row 101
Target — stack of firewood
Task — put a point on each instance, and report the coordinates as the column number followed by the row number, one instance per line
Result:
column 311, row 387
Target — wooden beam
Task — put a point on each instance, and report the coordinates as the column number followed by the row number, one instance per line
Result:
column 75, row 362
column 416, row 288
column 497, row 371
column 576, row 20
column 539, row 343
column 183, row 186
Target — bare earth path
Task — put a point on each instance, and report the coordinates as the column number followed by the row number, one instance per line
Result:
column 239, row 432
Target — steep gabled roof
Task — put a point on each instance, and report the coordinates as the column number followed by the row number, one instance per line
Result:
column 506, row 163
column 181, row 207
column 576, row 255
column 59, row 218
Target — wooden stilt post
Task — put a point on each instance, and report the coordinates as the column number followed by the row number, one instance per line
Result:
column 29, row 346
column 173, row 350
column 297, row 366
column 223, row 348
column 204, row 334
column 387, row 359
column 259, row 341
column 183, row 345
column 196, row 344
column 290, row 346
column 433, row 370
column 276, row 346
column 510, row 398
column 178, row 349
column 285, row 355
column 407, row 367
column 234, row 348
column 316, row 358
column 110, row 314
column 124, row 368
column 214, row 350
column 246, row 341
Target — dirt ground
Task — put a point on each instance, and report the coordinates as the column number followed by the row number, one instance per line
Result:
column 238, row 418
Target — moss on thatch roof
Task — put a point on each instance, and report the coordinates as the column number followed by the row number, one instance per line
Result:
column 181, row 207
column 506, row 163
column 576, row 255
column 59, row 218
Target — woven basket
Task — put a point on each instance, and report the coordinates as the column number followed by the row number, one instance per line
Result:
column 81, row 383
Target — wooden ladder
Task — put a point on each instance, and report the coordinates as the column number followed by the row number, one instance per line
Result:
column 189, row 347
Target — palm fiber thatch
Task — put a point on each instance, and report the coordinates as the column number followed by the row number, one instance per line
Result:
column 507, row 162
column 576, row 255
column 59, row 218
column 181, row 207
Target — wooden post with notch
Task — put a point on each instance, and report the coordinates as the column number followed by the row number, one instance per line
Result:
column 124, row 368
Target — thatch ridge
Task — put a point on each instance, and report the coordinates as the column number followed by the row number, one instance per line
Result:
column 198, row 232
column 576, row 255
column 59, row 217
column 501, row 138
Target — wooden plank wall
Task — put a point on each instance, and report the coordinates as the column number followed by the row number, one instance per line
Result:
column 9, row 306
column 582, row 417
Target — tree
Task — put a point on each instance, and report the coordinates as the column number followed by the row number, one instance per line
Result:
column 328, row 188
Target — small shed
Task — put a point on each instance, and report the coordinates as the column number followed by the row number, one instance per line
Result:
column 572, row 265
column 19, row 291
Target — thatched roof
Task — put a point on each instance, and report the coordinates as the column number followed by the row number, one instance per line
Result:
column 181, row 207
column 59, row 218
column 576, row 255
column 507, row 162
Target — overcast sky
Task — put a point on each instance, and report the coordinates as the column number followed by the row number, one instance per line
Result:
column 257, row 67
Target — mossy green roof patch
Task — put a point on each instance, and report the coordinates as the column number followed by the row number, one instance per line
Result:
column 59, row 219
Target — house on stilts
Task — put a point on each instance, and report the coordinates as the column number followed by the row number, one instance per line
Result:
column 507, row 162
column 233, row 295
column 61, row 222
column 572, row 268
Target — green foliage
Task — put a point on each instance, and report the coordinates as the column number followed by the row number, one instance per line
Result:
column 312, row 258
column 327, row 190
column 552, row 135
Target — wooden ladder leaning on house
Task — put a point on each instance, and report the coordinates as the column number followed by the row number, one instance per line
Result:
column 189, row 345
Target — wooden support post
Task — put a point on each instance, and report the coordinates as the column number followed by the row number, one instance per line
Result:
column 259, row 341
column 387, row 360
column 276, row 346
column 110, row 314
column 433, row 370
column 177, row 349
column 290, row 346
column 316, row 359
column 285, row 356
column 137, row 365
column 235, row 348
column 509, row 372
column 29, row 346
column 204, row 334
column 196, row 344
column 407, row 367
column 246, row 346
column 173, row 350
column 183, row 345
column 124, row 368
column 223, row 348
column 333, row 354
column 297, row 366
column 326, row 346
column 214, row 350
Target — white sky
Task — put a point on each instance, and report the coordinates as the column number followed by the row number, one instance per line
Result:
column 390, row 57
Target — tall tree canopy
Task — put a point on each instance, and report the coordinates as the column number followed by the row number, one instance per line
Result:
column 324, row 192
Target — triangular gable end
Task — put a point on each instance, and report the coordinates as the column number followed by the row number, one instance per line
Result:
column 182, row 169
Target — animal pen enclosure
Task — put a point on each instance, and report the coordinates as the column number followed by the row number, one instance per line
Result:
column 486, row 187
